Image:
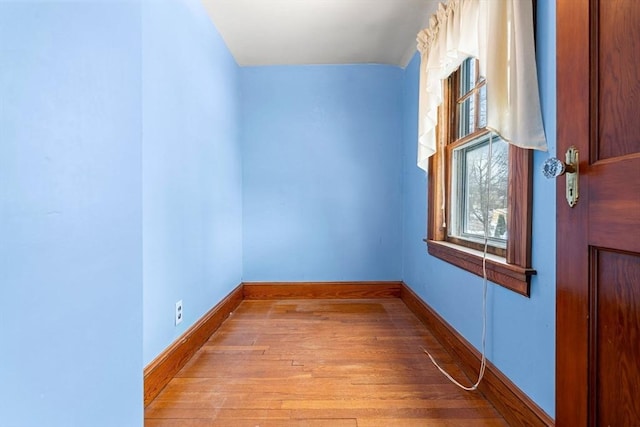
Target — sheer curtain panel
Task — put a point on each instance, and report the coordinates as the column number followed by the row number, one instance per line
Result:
column 499, row 33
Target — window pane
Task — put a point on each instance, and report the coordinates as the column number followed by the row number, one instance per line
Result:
column 482, row 114
column 467, row 76
column 479, row 203
column 467, row 117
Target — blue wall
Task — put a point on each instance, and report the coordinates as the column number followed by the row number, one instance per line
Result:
column 321, row 172
column 70, row 214
column 521, row 331
column 192, row 201
column 136, row 157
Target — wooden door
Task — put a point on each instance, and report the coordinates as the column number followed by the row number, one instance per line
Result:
column 598, row 246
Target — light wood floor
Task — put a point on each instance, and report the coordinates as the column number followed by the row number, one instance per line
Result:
column 319, row 363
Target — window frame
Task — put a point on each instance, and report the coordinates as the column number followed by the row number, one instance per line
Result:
column 512, row 270
column 457, row 141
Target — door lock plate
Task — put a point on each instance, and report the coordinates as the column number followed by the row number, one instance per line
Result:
column 572, row 161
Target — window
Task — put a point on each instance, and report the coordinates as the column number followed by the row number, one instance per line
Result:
column 478, row 169
column 479, row 184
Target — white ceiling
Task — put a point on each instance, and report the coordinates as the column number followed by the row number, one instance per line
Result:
column 283, row 32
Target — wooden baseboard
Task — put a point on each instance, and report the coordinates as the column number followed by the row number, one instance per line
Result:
column 320, row 290
column 515, row 406
column 164, row 367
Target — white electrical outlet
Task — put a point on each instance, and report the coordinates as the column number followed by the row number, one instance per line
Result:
column 178, row 312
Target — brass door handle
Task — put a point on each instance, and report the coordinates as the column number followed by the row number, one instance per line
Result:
column 554, row 167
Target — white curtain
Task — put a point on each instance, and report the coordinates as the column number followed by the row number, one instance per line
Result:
column 499, row 33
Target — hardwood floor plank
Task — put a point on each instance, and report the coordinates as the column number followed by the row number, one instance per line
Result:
column 322, row 362
column 252, row 423
column 219, row 413
column 383, row 404
column 413, row 422
column 207, row 400
column 169, row 422
column 425, row 414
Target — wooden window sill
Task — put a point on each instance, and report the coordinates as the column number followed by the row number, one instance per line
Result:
column 510, row 276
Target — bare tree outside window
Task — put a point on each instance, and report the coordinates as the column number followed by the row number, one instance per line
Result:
column 485, row 207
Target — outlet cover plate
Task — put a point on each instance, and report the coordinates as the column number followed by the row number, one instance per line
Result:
column 179, row 314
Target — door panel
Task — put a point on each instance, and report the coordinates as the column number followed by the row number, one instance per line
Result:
column 598, row 253
column 614, row 194
column 619, row 78
column 615, row 317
